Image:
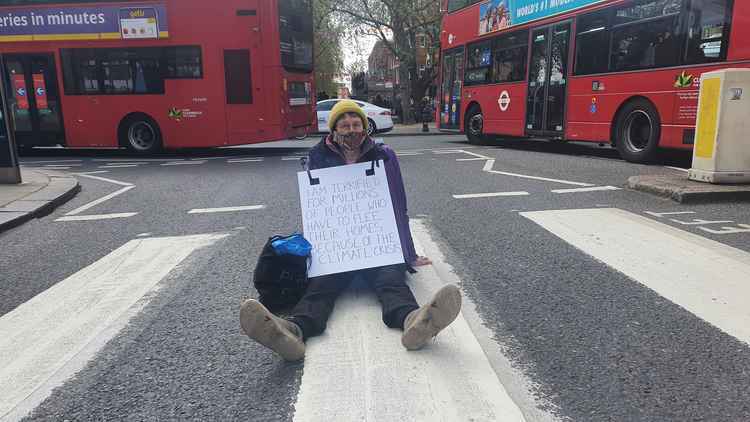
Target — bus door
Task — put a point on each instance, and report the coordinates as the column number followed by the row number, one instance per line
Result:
column 244, row 87
column 34, row 98
column 450, row 98
column 547, row 89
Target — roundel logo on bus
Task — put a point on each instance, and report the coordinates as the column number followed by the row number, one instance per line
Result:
column 504, row 101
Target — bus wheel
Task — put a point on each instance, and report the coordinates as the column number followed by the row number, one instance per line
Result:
column 474, row 126
column 371, row 127
column 637, row 132
column 140, row 134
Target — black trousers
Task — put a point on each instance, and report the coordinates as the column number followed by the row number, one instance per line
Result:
column 389, row 283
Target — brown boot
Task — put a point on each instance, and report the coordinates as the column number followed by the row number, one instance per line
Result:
column 282, row 336
column 424, row 323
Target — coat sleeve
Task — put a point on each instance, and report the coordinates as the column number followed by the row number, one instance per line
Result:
column 398, row 198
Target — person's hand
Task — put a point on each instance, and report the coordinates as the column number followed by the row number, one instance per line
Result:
column 422, row 260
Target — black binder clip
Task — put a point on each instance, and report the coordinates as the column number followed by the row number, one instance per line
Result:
column 313, row 180
column 371, row 170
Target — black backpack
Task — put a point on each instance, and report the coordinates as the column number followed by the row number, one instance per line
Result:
column 280, row 279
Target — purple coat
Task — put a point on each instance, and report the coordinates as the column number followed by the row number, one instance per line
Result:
column 325, row 155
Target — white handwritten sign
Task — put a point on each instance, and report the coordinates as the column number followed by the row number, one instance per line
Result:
column 348, row 218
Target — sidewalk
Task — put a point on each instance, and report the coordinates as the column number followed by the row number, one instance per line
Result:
column 41, row 192
column 680, row 189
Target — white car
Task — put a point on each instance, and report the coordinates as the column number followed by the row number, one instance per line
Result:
column 379, row 118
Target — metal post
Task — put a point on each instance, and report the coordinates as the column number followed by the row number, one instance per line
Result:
column 10, row 172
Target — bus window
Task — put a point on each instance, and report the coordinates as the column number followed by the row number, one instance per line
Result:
column 296, row 34
column 645, row 35
column 479, row 63
column 707, row 34
column 510, row 57
column 592, row 35
column 454, row 5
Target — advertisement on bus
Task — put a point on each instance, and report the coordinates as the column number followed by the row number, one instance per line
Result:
column 495, row 15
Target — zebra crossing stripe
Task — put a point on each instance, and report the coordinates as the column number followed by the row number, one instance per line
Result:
column 705, row 277
column 48, row 339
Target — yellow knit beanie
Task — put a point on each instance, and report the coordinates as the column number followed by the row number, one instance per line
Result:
column 341, row 108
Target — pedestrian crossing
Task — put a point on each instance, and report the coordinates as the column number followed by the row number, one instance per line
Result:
column 358, row 369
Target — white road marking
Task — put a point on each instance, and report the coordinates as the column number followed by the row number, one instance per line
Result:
column 95, row 217
column 490, row 195
column 103, row 179
column 91, row 172
column 409, row 154
column 490, row 163
column 226, row 209
column 661, row 214
column 245, row 160
column 359, row 371
column 125, row 163
column 51, row 161
column 447, row 151
column 100, row 200
column 112, row 160
column 591, row 189
column 58, row 168
column 183, row 163
column 51, row 337
column 708, row 278
column 118, row 166
column 291, row 158
column 143, row 235
column 479, row 156
column 470, row 159
column 62, row 165
column 678, row 169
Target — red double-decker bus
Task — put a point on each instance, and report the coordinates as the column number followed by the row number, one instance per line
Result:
column 148, row 75
column 624, row 72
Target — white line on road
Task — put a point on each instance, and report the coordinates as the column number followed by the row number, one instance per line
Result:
column 291, row 158
column 103, row 179
column 591, row 189
column 490, row 195
column 96, row 217
column 48, row 339
column 62, row 165
column 661, row 214
column 678, row 169
column 51, row 161
column 118, row 166
column 245, row 160
column 183, row 163
column 490, row 163
column 359, row 371
column 706, row 277
column 226, row 209
column 57, row 168
column 100, row 200
column 470, row 159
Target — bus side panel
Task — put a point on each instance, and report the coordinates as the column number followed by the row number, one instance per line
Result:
column 496, row 120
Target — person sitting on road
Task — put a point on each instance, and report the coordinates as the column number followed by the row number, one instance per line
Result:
column 348, row 143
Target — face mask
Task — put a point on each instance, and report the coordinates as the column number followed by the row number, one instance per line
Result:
column 350, row 141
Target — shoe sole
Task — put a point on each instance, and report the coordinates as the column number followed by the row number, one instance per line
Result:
column 443, row 310
column 264, row 327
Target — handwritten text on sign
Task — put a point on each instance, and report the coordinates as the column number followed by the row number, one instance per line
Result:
column 349, row 219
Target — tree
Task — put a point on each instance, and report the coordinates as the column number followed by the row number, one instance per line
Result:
column 398, row 24
column 329, row 58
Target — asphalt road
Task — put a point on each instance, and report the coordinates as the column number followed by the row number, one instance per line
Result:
column 596, row 344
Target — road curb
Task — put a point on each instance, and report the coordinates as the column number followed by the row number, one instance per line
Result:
column 63, row 189
column 684, row 191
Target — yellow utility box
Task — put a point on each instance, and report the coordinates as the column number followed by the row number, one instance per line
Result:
column 722, row 136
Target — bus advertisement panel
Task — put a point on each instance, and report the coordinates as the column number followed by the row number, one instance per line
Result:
column 148, row 75
column 624, row 72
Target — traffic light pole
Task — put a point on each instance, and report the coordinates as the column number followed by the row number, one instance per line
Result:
column 10, row 172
